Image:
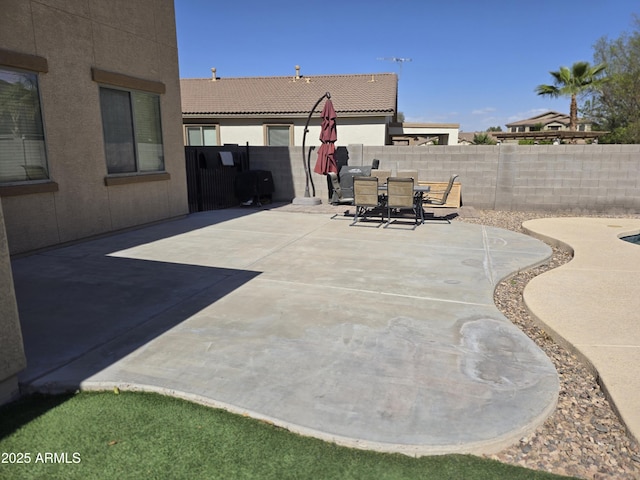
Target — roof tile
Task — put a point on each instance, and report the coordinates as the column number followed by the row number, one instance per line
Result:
column 544, row 118
column 358, row 94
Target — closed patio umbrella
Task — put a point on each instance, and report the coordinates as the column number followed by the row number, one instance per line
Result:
column 328, row 135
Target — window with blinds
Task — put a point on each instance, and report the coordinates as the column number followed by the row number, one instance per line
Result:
column 22, row 143
column 278, row 135
column 132, row 131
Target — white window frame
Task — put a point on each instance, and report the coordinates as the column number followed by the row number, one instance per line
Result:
column 268, row 126
column 202, row 127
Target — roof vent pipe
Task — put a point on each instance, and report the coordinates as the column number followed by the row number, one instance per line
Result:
column 297, row 72
column 213, row 75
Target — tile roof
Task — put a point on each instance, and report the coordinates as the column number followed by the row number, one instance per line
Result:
column 359, row 94
column 544, row 118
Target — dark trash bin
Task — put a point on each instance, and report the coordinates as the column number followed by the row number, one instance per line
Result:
column 254, row 187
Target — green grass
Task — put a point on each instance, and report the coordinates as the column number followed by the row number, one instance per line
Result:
column 149, row 436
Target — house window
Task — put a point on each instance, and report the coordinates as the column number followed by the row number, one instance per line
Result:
column 581, row 127
column 202, row 136
column 278, row 135
column 23, row 154
column 132, row 131
column 520, row 129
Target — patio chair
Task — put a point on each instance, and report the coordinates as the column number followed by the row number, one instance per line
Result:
column 366, row 200
column 337, row 197
column 401, row 196
column 443, row 195
column 408, row 174
column 381, row 174
column 382, row 180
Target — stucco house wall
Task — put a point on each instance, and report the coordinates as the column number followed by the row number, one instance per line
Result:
column 363, row 130
column 240, row 131
column 421, row 133
column 12, row 357
column 137, row 42
column 74, row 47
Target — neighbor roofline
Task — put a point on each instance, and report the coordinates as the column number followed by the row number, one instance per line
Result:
column 284, row 114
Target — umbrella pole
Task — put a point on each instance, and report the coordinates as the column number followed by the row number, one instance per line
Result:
column 306, row 161
column 313, row 187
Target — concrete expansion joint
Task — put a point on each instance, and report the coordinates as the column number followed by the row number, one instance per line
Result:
column 357, row 341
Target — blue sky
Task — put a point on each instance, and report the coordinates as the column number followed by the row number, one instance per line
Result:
column 473, row 63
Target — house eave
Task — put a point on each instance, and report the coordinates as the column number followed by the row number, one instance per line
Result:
column 386, row 113
column 547, row 135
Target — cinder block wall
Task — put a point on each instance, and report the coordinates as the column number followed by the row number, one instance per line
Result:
column 580, row 178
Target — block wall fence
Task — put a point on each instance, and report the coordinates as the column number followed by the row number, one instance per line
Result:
column 579, row 178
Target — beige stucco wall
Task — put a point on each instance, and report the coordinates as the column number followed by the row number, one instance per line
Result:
column 362, row 130
column 427, row 129
column 136, row 39
column 241, row 134
column 359, row 130
column 12, row 359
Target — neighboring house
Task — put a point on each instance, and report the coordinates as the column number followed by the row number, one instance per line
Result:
column 422, row 134
column 548, row 126
column 90, row 131
column 546, row 121
column 273, row 110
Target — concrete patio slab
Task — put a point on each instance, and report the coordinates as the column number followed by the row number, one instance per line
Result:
column 592, row 304
column 385, row 339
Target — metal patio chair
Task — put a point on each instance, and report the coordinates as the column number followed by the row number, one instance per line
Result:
column 366, row 199
column 442, row 198
column 401, row 196
column 381, row 174
column 408, row 174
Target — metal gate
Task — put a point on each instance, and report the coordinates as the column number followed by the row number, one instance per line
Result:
column 210, row 183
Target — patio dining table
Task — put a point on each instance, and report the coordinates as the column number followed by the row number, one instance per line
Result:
column 418, row 192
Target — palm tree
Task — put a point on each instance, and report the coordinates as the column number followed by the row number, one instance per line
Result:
column 581, row 78
column 483, row 138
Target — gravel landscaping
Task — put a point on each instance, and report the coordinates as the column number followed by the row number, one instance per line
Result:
column 584, row 437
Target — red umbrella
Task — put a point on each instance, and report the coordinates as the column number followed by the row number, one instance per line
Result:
column 326, row 154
